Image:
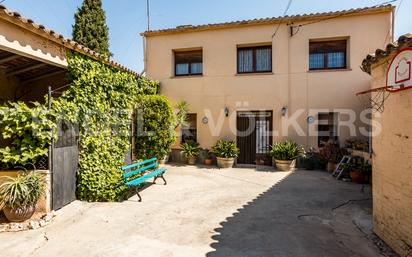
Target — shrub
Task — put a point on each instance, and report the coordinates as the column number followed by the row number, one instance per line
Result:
column 287, row 150
column 27, row 132
column 225, row 149
column 155, row 129
column 22, row 191
column 190, row 149
column 331, row 152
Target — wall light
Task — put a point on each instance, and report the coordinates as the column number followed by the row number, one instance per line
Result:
column 226, row 112
column 284, row 110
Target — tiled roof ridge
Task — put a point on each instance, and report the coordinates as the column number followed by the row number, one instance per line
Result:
column 189, row 28
column 403, row 41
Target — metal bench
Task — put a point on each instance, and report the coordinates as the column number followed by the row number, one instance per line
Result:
column 149, row 167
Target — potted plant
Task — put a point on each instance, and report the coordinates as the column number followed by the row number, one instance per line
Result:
column 190, row 150
column 332, row 154
column 225, row 152
column 208, row 157
column 20, row 195
column 285, row 153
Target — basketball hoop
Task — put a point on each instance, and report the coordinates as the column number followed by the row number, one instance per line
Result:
column 374, row 99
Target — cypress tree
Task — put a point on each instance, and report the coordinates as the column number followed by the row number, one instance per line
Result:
column 90, row 27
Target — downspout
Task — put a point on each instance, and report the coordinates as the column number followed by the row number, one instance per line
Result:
column 144, row 55
column 393, row 25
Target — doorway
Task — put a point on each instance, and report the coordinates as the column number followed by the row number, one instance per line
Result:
column 254, row 137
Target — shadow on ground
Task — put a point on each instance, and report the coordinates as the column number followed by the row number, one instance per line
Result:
column 307, row 214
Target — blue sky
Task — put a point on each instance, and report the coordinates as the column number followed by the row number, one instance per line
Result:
column 127, row 18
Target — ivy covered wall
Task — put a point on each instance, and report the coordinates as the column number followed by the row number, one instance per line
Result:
column 100, row 99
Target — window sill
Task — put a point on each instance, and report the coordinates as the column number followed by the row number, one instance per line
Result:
column 186, row 76
column 254, row 73
column 329, row 70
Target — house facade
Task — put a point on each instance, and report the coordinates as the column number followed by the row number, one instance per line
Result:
column 262, row 81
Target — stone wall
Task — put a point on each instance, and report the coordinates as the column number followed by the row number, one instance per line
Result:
column 392, row 167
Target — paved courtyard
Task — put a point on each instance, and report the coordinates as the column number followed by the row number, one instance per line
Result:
column 211, row 212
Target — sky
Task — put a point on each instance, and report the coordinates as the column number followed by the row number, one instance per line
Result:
column 127, row 18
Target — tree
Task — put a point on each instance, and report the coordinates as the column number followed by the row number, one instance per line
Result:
column 90, row 27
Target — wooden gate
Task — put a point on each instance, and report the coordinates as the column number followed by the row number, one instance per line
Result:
column 65, row 159
column 253, row 137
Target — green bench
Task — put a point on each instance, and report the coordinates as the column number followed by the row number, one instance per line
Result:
column 151, row 169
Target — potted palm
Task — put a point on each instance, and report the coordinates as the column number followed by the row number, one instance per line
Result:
column 225, row 152
column 19, row 195
column 285, row 153
column 190, row 150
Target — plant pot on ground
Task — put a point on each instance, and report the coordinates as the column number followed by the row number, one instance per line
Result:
column 225, row 152
column 358, row 170
column 208, row 157
column 285, row 153
column 190, row 150
column 20, row 195
column 332, row 154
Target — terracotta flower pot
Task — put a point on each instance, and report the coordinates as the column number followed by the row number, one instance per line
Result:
column 163, row 160
column 208, row 162
column 357, row 177
column 19, row 214
column 225, row 162
column 284, row 165
column 191, row 160
column 331, row 166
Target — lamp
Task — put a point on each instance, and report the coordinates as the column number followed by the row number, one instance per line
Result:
column 226, row 112
column 284, row 110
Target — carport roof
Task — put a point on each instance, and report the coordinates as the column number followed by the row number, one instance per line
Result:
column 28, row 24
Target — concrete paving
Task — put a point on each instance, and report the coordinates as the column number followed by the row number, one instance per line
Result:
column 211, row 212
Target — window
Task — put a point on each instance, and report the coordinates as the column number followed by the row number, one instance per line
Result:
column 254, row 59
column 327, row 127
column 188, row 63
column 327, row 55
column 189, row 132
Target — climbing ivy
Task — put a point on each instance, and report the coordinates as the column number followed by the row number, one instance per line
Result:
column 27, row 131
column 101, row 99
column 155, row 131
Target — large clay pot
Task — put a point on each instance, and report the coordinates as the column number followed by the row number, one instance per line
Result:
column 284, row 165
column 331, row 166
column 208, row 162
column 19, row 214
column 225, row 162
column 357, row 177
column 191, row 160
column 163, row 160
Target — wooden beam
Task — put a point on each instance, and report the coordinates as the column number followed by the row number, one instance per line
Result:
column 16, row 72
column 43, row 76
column 9, row 58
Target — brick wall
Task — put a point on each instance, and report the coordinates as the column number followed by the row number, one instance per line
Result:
column 392, row 167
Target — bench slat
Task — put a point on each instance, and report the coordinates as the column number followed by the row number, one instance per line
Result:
column 142, row 179
column 134, row 172
column 133, row 165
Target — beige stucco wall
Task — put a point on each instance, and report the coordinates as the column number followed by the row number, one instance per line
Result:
column 392, row 166
column 289, row 85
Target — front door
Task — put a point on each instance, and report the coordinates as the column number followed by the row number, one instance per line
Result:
column 253, row 137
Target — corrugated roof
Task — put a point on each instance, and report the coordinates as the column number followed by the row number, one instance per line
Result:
column 263, row 21
column 403, row 41
column 41, row 30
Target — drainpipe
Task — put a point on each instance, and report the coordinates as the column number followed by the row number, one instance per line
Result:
column 144, row 55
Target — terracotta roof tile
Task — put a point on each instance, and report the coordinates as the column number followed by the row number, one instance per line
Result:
column 271, row 20
column 58, row 38
column 403, row 41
